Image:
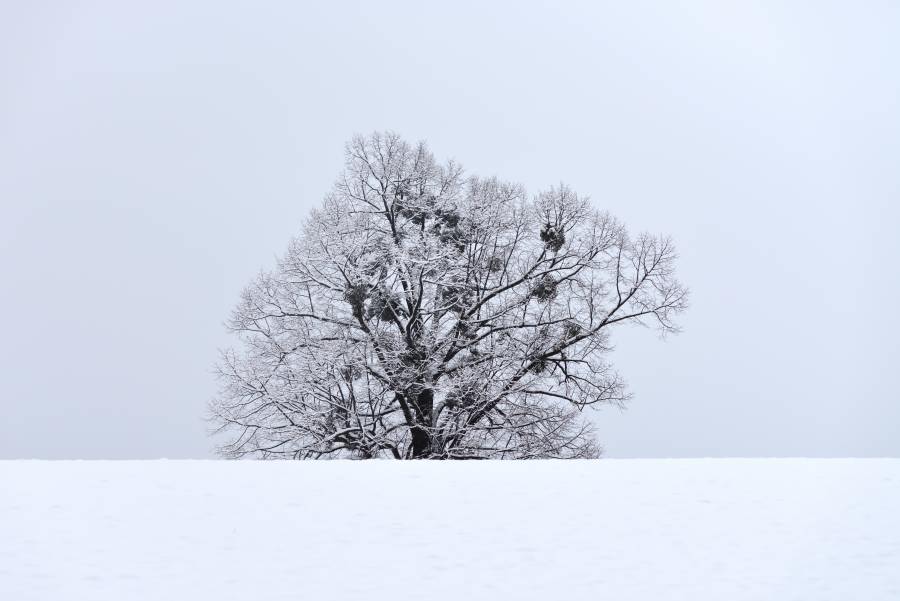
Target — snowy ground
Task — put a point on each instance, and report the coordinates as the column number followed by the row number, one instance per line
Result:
column 611, row 529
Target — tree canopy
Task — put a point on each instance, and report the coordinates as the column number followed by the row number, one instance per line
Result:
column 426, row 313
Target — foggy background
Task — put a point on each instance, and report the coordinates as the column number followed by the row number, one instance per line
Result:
column 155, row 155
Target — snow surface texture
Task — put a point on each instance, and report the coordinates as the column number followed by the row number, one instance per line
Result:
column 612, row 529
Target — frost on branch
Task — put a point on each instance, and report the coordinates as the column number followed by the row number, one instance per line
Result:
column 426, row 313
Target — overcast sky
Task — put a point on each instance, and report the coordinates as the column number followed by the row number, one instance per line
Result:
column 155, row 155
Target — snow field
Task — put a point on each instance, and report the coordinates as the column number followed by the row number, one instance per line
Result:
column 728, row 529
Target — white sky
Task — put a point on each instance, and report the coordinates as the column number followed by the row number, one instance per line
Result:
column 155, row 155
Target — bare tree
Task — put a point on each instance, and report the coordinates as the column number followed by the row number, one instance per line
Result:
column 424, row 313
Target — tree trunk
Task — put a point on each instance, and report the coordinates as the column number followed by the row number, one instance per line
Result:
column 421, row 432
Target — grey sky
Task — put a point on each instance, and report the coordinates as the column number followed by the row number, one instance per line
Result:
column 154, row 156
